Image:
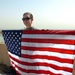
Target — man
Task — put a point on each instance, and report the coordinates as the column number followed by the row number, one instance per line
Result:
column 27, row 20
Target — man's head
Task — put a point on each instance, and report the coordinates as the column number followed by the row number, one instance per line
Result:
column 27, row 19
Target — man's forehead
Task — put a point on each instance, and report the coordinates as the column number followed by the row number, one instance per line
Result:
column 26, row 15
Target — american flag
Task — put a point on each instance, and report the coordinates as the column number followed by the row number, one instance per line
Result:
column 41, row 52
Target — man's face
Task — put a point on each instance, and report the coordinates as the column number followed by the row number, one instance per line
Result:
column 27, row 20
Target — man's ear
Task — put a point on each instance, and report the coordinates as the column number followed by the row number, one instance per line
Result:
column 32, row 19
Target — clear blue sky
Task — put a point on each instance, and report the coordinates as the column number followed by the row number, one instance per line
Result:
column 48, row 14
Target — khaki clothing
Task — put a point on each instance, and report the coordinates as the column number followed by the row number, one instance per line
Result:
column 31, row 28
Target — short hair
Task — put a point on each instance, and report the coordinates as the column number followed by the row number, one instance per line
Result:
column 31, row 16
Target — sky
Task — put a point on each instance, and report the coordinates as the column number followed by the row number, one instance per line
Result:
column 48, row 14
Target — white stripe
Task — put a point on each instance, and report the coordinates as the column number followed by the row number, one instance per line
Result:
column 47, row 53
column 43, row 61
column 49, row 36
column 52, row 45
column 42, row 68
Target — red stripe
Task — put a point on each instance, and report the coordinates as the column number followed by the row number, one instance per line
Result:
column 44, row 57
column 63, row 51
column 66, row 60
column 36, row 71
column 55, row 41
column 65, row 32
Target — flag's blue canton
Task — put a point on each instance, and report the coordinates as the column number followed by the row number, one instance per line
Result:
column 13, row 41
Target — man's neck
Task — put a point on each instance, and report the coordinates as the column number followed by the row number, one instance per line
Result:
column 30, row 28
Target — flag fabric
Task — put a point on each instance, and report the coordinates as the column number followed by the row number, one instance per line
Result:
column 41, row 52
